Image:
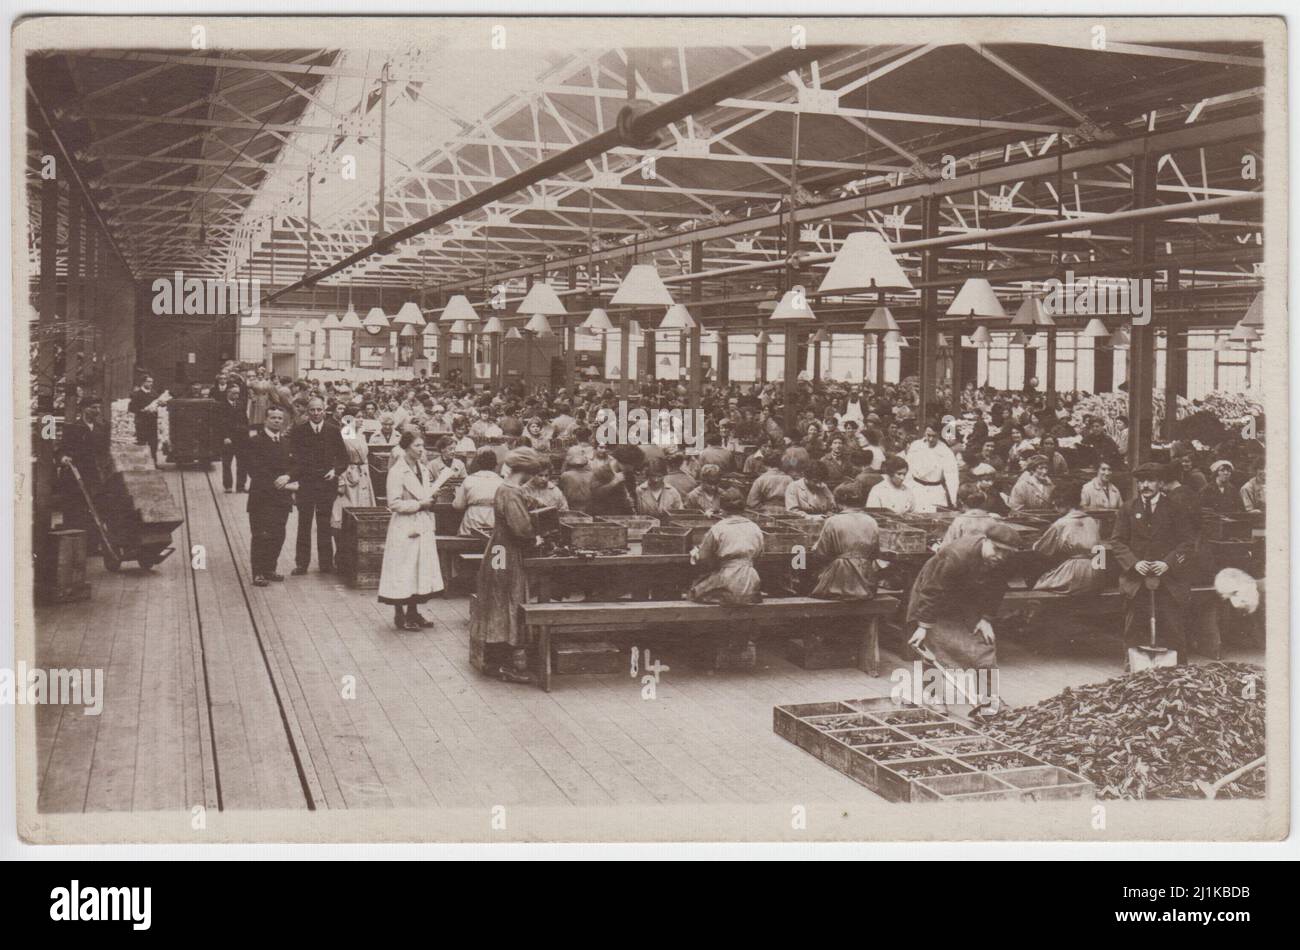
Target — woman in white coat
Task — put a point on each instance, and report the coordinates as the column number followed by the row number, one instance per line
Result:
column 410, row 574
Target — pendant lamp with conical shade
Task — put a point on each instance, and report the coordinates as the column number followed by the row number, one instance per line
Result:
column 941, row 342
column 793, row 306
column 541, row 299
column 409, row 315
column 882, row 321
column 538, row 324
column 981, row 337
column 597, row 321
column 1019, row 339
column 1255, row 315
column 642, row 287
column 897, row 339
column 763, row 338
column 493, row 326
column 1032, row 313
column 976, row 299
column 864, row 262
column 459, row 308
column 331, row 322
column 821, row 336
column 1119, row 340
column 514, row 334
column 350, row 321
column 408, row 329
column 375, row 320
column 460, row 326
column 1096, row 329
column 677, row 317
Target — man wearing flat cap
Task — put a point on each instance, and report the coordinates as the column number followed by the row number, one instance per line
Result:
column 954, row 601
column 1154, row 537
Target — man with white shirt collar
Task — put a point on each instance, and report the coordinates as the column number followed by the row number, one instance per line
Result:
column 319, row 456
column 1153, row 538
column 270, row 495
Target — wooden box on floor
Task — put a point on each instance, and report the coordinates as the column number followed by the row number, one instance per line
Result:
column 61, row 568
column 597, row 656
column 735, row 656
column 361, row 546
column 192, row 431
column 816, row 652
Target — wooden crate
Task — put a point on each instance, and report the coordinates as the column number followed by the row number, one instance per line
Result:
column 901, row 539
column 667, row 539
column 637, row 525
column 596, row 535
column 61, row 567
column 589, row 657
column 360, row 555
column 192, row 426
column 899, row 751
column 128, row 457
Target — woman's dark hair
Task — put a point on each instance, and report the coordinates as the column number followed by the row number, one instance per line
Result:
column 894, row 464
column 971, row 497
column 732, row 501
column 407, row 437
column 815, row 471
column 1066, row 495
column 484, row 460
column 657, row 468
column 874, row 435
column 446, row 442
column 848, row 495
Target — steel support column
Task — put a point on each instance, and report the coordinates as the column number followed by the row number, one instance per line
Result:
column 1142, row 354
column 929, row 323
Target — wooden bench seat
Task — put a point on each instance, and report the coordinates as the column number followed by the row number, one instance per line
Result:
column 797, row 615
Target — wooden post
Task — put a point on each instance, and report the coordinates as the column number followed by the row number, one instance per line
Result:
column 44, row 361
column 1142, row 352
column 570, row 332
column 695, row 370
column 760, row 358
column 624, row 356
column 72, row 343
column 1175, row 357
column 1050, row 357
column 724, row 359
column 880, row 359
column 929, row 309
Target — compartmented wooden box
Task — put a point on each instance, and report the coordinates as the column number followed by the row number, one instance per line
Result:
column 360, row 553
column 637, row 525
column 901, row 539
column 913, row 753
column 595, row 535
column 667, row 539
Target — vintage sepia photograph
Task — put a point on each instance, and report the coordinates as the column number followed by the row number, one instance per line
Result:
column 650, row 429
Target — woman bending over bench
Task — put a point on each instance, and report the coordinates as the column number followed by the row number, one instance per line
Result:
column 727, row 553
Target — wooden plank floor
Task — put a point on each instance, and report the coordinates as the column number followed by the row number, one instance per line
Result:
column 302, row 695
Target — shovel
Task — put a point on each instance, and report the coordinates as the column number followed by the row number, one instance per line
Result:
column 1146, row 657
column 1212, row 790
column 928, row 655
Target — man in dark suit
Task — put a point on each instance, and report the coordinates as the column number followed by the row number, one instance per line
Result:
column 1154, row 537
column 319, row 456
column 270, row 495
column 232, row 421
column 84, row 444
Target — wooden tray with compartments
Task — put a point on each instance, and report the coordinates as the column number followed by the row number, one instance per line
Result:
column 917, row 754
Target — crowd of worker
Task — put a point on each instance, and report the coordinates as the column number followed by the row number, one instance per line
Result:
column 841, row 452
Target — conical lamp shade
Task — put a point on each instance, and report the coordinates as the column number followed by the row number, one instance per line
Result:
column 541, row 299
column 1119, row 339
column 677, row 317
column 1255, row 315
column 376, row 319
column 1096, row 328
column 409, row 315
column 493, row 326
column 460, row 326
column 882, row 321
column 633, row 329
column 331, row 322
column 793, row 306
column 1243, row 333
column 642, row 287
column 976, row 299
column 1019, row 339
column 514, row 334
column 981, row 337
column 537, row 324
column 1032, row 313
column 597, row 321
column 941, row 342
column 459, row 308
column 350, row 321
column 864, row 262
column 762, row 337
column 897, row 339
column 408, row 329
column 821, row 336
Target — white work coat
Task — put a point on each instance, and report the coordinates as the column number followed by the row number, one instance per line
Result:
column 410, row 566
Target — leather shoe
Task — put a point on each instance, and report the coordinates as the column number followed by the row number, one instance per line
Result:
column 299, row 571
column 275, row 577
column 413, row 625
column 419, row 619
column 260, row 581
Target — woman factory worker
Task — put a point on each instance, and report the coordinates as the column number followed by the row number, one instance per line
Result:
column 808, row 493
column 495, row 627
column 355, row 489
column 953, row 603
column 707, row 495
column 768, row 491
column 410, row 574
column 975, row 518
column 1069, row 544
column 849, row 539
column 727, row 553
column 1221, row 496
column 893, row 491
column 475, row 494
column 1033, row 490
